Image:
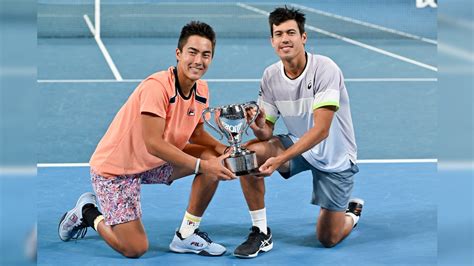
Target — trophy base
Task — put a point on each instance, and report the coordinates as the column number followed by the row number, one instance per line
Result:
column 254, row 172
column 243, row 164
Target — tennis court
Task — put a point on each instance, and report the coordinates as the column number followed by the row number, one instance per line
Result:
column 387, row 53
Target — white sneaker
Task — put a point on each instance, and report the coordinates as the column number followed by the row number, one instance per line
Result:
column 198, row 243
column 71, row 224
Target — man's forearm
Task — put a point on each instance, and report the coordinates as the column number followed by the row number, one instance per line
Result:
column 306, row 142
column 206, row 139
column 264, row 133
column 171, row 154
column 322, row 123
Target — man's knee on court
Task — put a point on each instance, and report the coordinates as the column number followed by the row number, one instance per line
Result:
column 328, row 240
column 136, row 251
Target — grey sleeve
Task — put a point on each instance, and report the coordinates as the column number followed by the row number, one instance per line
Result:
column 329, row 85
column 265, row 100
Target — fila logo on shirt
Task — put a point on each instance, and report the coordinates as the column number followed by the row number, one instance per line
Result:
column 426, row 3
column 191, row 112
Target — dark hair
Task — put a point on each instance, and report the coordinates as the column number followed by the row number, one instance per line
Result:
column 282, row 14
column 197, row 28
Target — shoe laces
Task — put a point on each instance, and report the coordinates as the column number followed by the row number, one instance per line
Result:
column 254, row 235
column 204, row 235
column 80, row 230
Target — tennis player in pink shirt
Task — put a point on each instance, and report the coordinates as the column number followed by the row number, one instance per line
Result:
column 157, row 137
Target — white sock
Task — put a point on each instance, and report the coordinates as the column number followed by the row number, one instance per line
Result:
column 259, row 219
column 354, row 217
column 189, row 224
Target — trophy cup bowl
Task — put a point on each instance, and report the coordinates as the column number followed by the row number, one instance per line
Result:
column 231, row 121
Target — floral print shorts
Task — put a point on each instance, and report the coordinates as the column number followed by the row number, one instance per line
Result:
column 119, row 196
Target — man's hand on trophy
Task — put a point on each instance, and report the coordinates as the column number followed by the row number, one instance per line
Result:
column 259, row 121
column 272, row 164
column 215, row 168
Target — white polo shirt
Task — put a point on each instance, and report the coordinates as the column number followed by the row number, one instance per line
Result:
column 320, row 84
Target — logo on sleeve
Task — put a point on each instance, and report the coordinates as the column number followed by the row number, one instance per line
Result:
column 426, row 3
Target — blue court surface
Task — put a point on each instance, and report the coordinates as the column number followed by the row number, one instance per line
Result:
column 387, row 53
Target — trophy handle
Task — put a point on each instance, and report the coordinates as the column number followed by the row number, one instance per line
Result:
column 211, row 110
column 251, row 104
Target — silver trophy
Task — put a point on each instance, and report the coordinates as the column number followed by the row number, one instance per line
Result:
column 231, row 121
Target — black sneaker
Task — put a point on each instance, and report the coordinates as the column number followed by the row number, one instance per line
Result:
column 355, row 207
column 256, row 242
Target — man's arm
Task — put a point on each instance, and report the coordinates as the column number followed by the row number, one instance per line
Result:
column 322, row 122
column 153, row 128
column 262, row 128
column 202, row 137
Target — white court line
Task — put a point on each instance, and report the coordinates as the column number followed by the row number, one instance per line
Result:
column 455, row 22
column 391, row 80
column 455, row 51
column 366, row 24
column 233, row 80
column 456, row 165
column 17, row 71
column 201, row 4
column 351, row 41
column 366, row 161
column 193, row 16
column 102, row 48
column 56, row 16
column 56, row 165
column 15, row 171
column 464, row 70
column 89, row 24
column 388, row 161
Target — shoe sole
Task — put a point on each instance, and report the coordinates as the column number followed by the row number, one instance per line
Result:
column 72, row 210
column 264, row 249
column 201, row 253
